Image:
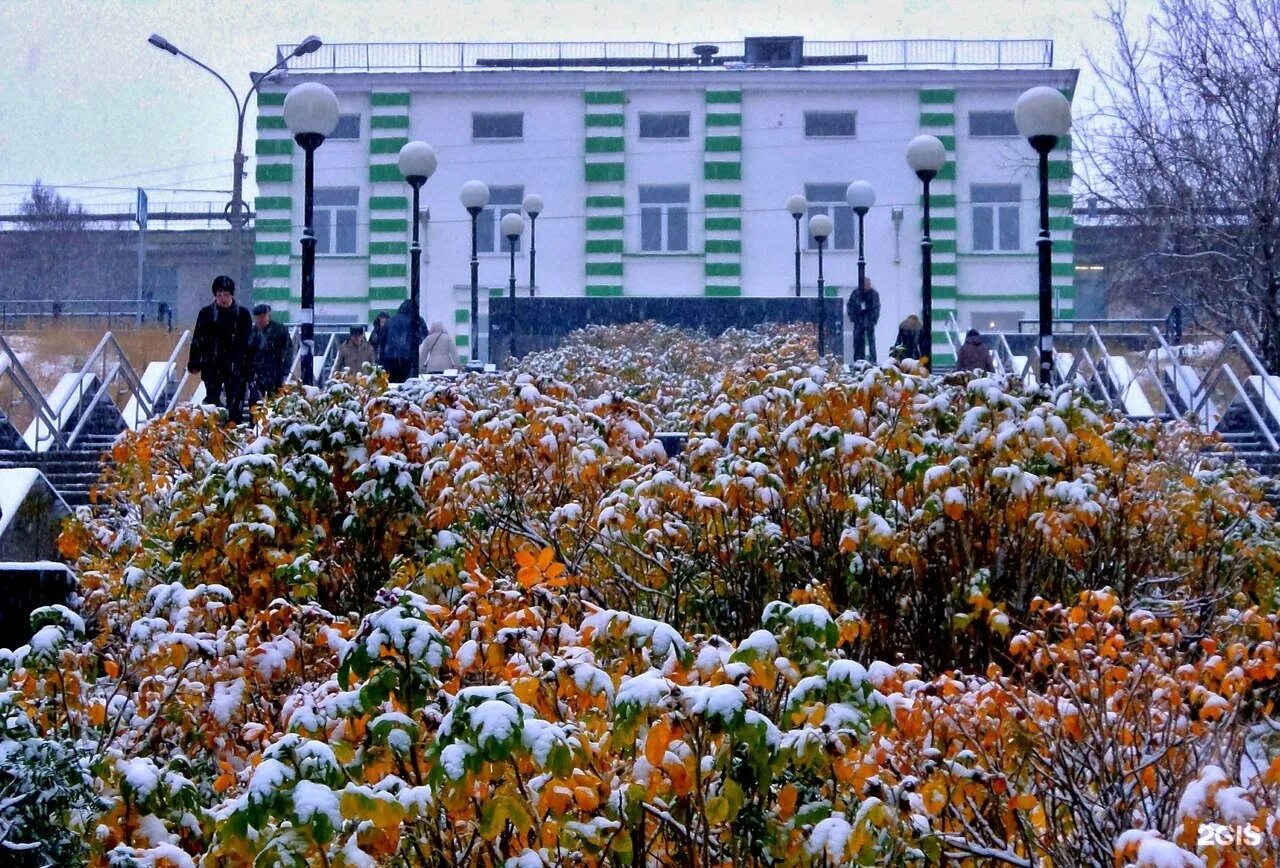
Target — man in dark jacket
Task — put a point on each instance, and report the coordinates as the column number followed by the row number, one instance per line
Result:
column 270, row 349
column 909, row 331
column 399, row 352
column 864, row 312
column 378, row 338
column 220, row 349
column 973, row 355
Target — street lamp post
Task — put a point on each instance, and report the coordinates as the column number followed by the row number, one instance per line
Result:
column 311, row 113
column 1043, row 116
column 237, row 213
column 798, row 206
column 860, row 197
column 474, row 196
column 512, row 229
column 533, row 207
column 926, row 156
column 820, row 229
column 417, row 162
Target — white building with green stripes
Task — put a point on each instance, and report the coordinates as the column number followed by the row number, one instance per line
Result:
column 665, row 178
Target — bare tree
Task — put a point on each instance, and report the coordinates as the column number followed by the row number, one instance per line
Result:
column 1184, row 150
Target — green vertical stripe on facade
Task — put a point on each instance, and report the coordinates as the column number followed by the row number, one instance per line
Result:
column 604, row 224
column 388, row 203
column 605, row 202
column 385, row 172
column 724, row 96
column 272, row 226
column 274, row 173
column 387, row 146
column 604, row 144
column 393, row 248
column 385, row 225
column 722, row 200
column 609, row 120
column 271, row 122
column 1060, row 200
column 724, row 119
column 722, row 171
column 604, row 269
column 384, row 99
column 604, row 245
column 265, row 98
column 940, row 200
column 722, row 245
column 273, row 147
column 592, row 290
column 388, row 270
column 937, row 119
column 271, row 271
column 1060, row 170
column 271, row 293
column 722, row 269
column 722, row 291
column 604, row 97
column 272, row 203
column 389, row 122
column 723, row 144
column 272, row 248
column 722, row 224
column 600, row 172
column 937, row 96
column 388, row 293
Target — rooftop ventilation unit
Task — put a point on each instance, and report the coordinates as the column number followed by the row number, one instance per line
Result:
column 774, row 50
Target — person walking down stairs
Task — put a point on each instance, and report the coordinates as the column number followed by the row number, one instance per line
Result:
column 220, row 349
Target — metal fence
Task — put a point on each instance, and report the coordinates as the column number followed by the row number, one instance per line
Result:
column 455, row 56
column 19, row 313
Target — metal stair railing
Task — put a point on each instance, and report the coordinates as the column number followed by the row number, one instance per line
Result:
column 42, row 413
column 111, row 371
column 1180, row 378
column 186, row 375
column 1219, row 369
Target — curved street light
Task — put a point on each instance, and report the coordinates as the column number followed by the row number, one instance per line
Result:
column 1043, row 117
column 238, row 214
column 926, row 156
column 417, row 163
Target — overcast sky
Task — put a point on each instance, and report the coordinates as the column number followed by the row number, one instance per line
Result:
column 84, row 100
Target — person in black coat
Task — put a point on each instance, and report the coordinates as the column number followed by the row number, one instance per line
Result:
column 271, row 350
column 378, row 338
column 220, row 349
column 864, row 312
column 399, row 352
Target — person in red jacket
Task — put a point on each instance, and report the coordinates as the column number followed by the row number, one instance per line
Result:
column 220, row 349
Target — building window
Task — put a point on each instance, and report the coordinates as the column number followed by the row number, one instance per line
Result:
column 996, row 217
column 664, row 125
column 502, row 201
column 348, row 127
column 992, row 124
column 506, row 126
column 664, row 218
column 830, row 199
column 823, row 125
column 335, row 219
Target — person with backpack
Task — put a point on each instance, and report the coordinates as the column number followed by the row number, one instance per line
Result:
column 864, row 312
column 220, row 351
column 398, row 352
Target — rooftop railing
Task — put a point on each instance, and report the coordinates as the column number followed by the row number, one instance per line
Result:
column 468, row 56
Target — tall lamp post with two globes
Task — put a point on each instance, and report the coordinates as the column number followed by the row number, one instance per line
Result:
column 474, row 196
column 417, row 163
column 311, row 113
column 820, row 229
column 926, row 155
column 1043, row 117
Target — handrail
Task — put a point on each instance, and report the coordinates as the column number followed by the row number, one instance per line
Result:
column 1253, row 411
column 1258, row 368
column 42, row 412
column 107, row 380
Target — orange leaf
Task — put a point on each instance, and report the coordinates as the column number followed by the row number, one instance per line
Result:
column 545, row 557
column 787, row 802
column 524, row 559
column 223, row 782
column 655, row 745
column 111, row 667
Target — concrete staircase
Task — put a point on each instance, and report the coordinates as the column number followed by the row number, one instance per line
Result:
column 72, row 472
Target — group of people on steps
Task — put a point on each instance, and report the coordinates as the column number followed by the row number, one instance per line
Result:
column 863, row 309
